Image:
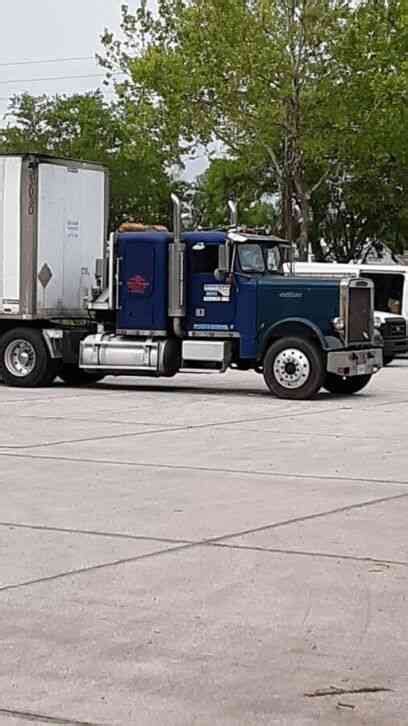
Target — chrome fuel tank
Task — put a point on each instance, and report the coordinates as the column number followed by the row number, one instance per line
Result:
column 119, row 354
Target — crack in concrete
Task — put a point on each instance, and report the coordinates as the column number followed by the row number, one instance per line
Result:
column 311, row 553
column 94, row 533
column 334, row 691
column 206, row 469
column 200, row 543
column 311, row 517
column 95, row 568
column 42, row 718
column 166, row 429
column 85, row 440
column 49, row 399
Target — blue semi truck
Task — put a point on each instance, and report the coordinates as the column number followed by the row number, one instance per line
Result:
column 160, row 303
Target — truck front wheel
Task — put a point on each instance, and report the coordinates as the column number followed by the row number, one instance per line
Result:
column 293, row 368
column 24, row 359
column 345, row 386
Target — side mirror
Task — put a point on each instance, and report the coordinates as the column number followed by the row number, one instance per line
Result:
column 220, row 275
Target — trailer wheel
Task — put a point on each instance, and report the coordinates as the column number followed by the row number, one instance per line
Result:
column 74, row 376
column 345, row 386
column 24, row 359
column 293, row 368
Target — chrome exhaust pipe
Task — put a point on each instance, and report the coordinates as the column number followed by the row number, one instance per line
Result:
column 176, row 218
column 233, row 208
column 177, row 250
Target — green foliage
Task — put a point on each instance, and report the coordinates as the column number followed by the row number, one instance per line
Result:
column 366, row 198
column 308, row 99
column 230, row 178
column 312, row 94
column 249, row 73
column 87, row 127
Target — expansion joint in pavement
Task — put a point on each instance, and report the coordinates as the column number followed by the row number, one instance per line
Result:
column 42, row 718
column 211, row 541
column 308, row 553
column 169, row 428
column 206, row 469
column 94, row 533
column 310, row 517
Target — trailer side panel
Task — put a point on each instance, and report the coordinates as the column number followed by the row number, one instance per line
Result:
column 10, row 234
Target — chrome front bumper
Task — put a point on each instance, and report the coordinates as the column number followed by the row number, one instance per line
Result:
column 354, row 362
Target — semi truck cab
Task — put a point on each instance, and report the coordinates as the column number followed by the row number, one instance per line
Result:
column 219, row 299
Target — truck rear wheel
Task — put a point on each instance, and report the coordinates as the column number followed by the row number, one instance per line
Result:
column 24, row 359
column 293, row 368
column 345, row 386
column 74, row 376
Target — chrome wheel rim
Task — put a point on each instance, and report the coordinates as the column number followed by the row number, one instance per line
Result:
column 291, row 368
column 20, row 358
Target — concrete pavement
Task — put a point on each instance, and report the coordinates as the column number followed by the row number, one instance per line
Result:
column 194, row 552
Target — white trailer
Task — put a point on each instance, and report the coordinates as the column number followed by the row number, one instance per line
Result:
column 53, row 227
column 53, row 232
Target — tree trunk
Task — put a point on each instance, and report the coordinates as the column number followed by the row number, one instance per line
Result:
column 287, row 213
column 303, row 198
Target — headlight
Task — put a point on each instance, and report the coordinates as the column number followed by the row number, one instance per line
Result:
column 377, row 322
column 338, row 324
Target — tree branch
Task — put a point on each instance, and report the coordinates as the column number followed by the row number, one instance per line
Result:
column 319, row 183
column 226, row 141
column 274, row 159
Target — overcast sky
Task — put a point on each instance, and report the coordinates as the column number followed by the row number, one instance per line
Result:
column 37, row 30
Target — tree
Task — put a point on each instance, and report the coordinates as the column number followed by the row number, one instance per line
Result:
column 87, row 127
column 312, row 93
column 256, row 75
column 354, row 209
column 366, row 198
column 231, row 178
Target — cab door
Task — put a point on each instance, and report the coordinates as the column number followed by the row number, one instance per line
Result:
column 211, row 305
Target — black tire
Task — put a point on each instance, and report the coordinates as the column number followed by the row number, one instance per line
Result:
column 297, row 375
column 74, row 376
column 387, row 359
column 345, row 386
column 24, row 359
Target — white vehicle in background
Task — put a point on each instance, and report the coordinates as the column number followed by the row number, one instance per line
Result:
column 390, row 297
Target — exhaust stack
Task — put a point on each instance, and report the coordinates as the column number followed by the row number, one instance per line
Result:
column 177, row 250
column 233, row 208
column 226, row 252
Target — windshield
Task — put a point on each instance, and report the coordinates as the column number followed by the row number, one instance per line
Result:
column 259, row 258
column 273, row 259
column 251, row 258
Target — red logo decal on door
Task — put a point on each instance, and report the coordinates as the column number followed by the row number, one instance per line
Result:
column 137, row 285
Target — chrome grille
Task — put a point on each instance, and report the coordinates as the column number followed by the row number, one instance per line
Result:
column 359, row 315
